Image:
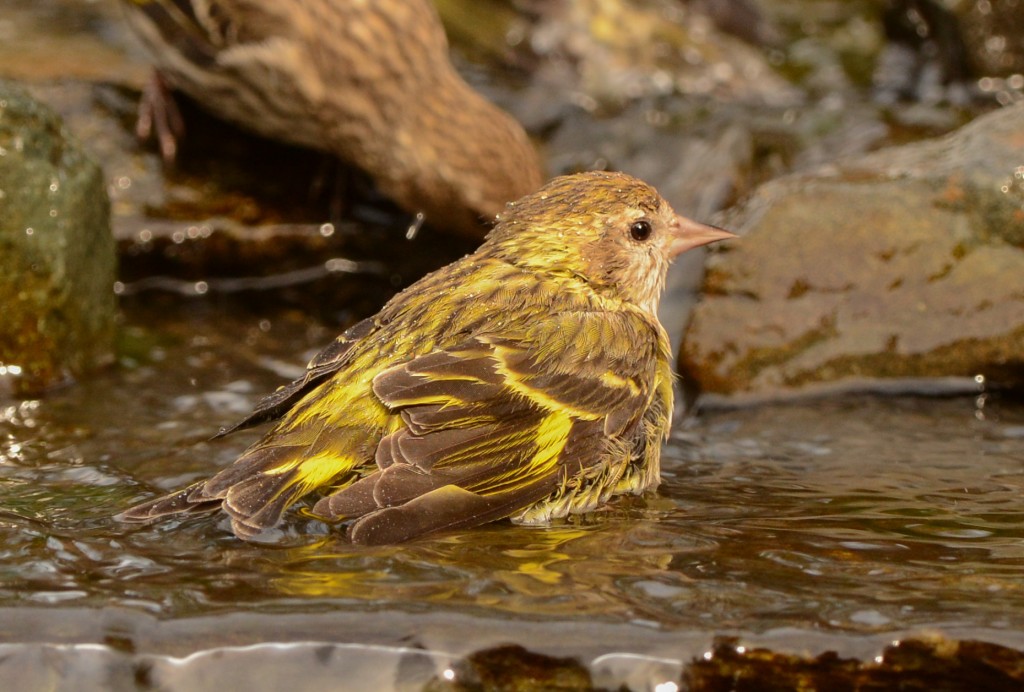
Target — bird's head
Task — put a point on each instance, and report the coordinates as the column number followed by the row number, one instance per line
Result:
column 610, row 230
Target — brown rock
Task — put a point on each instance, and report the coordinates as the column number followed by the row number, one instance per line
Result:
column 915, row 663
column 512, row 668
column 904, row 263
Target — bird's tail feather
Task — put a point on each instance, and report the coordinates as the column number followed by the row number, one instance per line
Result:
column 177, row 502
column 254, row 491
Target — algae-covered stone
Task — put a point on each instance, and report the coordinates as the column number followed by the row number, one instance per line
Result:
column 908, row 262
column 57, row 255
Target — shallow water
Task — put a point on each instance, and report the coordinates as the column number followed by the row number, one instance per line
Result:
column 835, row 523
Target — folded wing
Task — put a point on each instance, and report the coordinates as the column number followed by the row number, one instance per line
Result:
column 500, row 423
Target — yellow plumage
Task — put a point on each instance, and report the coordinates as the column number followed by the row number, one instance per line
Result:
column 528, row 380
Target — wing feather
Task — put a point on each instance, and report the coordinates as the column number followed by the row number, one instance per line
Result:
column 178, row 24
column 497, row 424
column 445, row 509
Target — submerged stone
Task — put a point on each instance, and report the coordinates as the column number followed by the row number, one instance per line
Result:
column 512, row 668
column 905, row 263
column 923, row 663
column 57, row 256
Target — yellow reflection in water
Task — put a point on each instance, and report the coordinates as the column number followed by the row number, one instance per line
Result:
column 560, row 569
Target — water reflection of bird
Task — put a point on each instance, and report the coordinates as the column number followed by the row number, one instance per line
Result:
column 528, row 380
column 368, row 81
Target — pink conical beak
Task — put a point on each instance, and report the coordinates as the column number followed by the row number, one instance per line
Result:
column 690, row 234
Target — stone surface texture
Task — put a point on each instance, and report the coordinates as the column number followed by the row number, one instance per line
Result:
column 907, row 262
column 57, row 255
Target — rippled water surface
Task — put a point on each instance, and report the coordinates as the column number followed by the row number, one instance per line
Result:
column 828, row 520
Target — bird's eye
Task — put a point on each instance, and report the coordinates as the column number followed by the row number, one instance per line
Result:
column 640, row 230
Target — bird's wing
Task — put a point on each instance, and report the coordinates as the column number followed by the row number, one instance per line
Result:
column 322, row 366
column 500, row 422
column 200, row 29
column 251, row 62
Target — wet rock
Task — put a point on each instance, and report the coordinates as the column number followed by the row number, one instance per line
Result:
column 911, row 664
column 512, row 668
column 904, row 263
column 57, row 258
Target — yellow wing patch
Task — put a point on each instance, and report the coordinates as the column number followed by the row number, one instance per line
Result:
column 551, row 435
column 313, row 472
column 610, row 379
column 537, row 396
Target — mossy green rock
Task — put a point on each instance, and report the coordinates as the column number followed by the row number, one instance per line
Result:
column 905, row 263
column 57, row 254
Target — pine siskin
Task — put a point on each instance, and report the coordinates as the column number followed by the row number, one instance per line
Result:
column 370, row 82
column 528, row 380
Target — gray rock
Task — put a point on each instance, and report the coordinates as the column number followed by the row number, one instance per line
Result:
column 57, row 255
column 905, row 263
